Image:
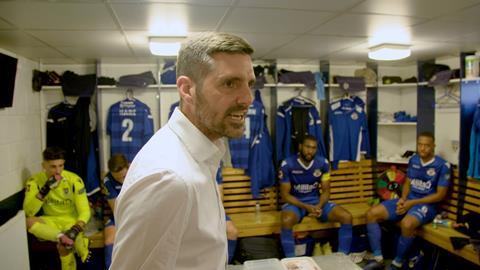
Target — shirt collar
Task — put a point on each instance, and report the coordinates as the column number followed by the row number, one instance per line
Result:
column 199, row 146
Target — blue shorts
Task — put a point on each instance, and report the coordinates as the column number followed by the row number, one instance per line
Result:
column 300, row 212
column 423, row 212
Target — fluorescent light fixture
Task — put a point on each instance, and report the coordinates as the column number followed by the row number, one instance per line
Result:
column 165, row 46
column 388, row 51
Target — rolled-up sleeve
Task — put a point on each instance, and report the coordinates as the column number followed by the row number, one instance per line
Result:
column 151, row 217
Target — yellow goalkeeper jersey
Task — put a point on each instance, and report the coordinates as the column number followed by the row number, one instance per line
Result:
column 67, row 199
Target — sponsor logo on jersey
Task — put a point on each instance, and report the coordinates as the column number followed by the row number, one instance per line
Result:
column 431, row 172
column 297, row 171
column 306, row 188
column 421, row 185
column 416, row 166
column 354, row 116
column 317, row 173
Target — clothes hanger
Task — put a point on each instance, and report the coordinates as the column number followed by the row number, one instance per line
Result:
column 449, row 99
column 129, row 94
column 303, row 98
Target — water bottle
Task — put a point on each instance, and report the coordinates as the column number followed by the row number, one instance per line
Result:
column 442, row 222
column 257, row 213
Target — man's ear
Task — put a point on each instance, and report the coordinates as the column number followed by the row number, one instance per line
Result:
column 186, row 89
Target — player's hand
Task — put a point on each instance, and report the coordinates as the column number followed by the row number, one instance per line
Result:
column 314, row 211
column 74, row 231
column 51, row 183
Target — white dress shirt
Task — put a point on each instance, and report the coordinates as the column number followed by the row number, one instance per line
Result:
column 169, row 213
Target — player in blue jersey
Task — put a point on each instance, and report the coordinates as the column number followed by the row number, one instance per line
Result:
column 301, row 177
column 112, row 184
column 428, row 178
column 130, row 126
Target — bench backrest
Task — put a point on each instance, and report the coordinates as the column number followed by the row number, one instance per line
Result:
column 467, row 193
column 352, row 182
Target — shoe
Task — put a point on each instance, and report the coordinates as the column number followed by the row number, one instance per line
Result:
column 374, row 265
column 415, row 262
column 317, row 250
column 327, row 249
column 357, row 257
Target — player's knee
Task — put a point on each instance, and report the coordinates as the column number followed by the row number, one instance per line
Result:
column 232, row 232
column 109, row 238
column 346, row 217
column 370, row 215
column 408, row 225
column 288, row 221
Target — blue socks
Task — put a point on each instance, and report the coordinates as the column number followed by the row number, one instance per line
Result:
column 232, row 244
column 402, row 247
column 374, row 237
column 345, row 238
column 288, row 243
column 108, row 255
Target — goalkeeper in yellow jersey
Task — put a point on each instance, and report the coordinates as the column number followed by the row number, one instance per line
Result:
column 62, row 197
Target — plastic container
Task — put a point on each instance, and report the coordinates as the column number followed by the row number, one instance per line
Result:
column 442, row 222
column 300, row 263
column 472, row 66
column 266, row 264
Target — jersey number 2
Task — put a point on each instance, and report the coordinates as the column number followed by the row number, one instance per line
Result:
column 128, row 124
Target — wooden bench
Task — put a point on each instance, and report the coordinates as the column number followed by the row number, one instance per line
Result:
column 351, row 187
column 440, row 236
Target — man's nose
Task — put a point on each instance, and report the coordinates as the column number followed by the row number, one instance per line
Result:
column 245, row 97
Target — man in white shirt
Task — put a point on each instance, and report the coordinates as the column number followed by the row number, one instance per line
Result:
column 169, row 213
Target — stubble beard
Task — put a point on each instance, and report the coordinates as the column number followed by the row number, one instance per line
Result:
column 207, row 120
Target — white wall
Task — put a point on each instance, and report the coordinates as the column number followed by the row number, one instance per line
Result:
column 20, row 136
column 14, row 249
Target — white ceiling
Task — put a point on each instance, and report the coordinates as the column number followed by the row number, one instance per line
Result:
column 81, row 31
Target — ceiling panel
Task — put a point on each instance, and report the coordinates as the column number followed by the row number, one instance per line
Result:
column 326, row 5
column 441, row 30
column 364, row 25
column 35, row 53
column 168, row 17
column 80, row 38
column 416, row 8
column 264, row 43
column 196, row 2
column 50, row 15
column 5, row 25
column 468, row 15
column 315, row 47
column 260, row 20
column 18, row 38
column 96, row 51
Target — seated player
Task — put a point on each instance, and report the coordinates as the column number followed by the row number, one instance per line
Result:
column 112, row 183
column 428, row 178
column 62, row 197
column 301, row 178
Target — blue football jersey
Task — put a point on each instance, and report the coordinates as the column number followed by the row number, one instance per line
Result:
column 424, row 178
column 474, row 160
column 348, row 130
column 305, row 180
column 112, row 187
column 130, row 126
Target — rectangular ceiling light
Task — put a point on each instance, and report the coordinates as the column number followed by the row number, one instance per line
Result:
column 165, row 46
column 387, row 51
